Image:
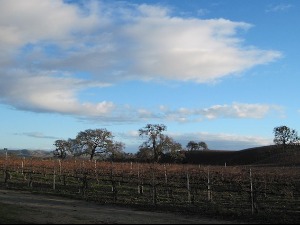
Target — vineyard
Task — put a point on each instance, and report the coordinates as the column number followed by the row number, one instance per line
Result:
column 271, row 194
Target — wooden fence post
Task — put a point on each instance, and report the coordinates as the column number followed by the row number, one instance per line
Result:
column 54, row 176
column 188, row 186
column 112, row 177
column 23, row 169
column 22, row 165
column 209, row 193
column 60, row 167
column 154, row 191
column 251, row 193
column 140, row 191
column 166, row 180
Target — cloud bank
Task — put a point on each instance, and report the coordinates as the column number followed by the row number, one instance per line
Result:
column 46, row 44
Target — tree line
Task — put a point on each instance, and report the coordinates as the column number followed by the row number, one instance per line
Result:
column 158, row 147
column 100, row 144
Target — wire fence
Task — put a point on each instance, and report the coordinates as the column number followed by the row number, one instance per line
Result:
column 238, row 191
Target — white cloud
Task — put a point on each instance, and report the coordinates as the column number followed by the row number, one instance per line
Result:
column 238, row 110
column 203, row 50
column 34, row 21
column 127, row 42
column 111, row 43
column 37, row 135
column 44, row 92
column 235, row 110
column 279, row 8
column 50, row 92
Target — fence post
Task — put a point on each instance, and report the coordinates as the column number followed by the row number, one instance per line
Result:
column 251, row 193
column 96, row 171
column 154, row 191
column 5, row 167
column 139, row 181
column 209, row 194
column 54, row 176
column 23, row 168
column 59, row 161
column 112, row 177
column 166, row 180
column 188, row 186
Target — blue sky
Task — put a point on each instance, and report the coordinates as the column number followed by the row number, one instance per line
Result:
column 223, row 72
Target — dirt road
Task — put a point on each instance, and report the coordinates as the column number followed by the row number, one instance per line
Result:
column 45, row 209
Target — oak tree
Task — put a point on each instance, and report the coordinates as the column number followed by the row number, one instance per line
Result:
column 154, row 133
column 285, row 136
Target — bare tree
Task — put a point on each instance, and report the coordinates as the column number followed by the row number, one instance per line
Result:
column 155, row 139
column 116, row 150
column 203, row 145
column 171, row 148
column 194, row 146
column 144, row 154
column 63, row 147
column 168, row 145
column 94, row 142
column 285, row 136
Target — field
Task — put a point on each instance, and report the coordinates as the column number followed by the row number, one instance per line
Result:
column 268, row 194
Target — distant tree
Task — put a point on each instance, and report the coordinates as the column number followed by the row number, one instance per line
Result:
column 194, row 146
column 155, row 139
column 144, row 154
column 171, row 149
column 95, row 142
column 75, row 147
column 285, row 136
column 63, row 147
column 168, row 145
column 116, row 151
column 203, row 145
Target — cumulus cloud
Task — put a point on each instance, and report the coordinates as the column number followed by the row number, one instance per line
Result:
column 34, row 21
column 203, row 50
column 48, row 93
column 135, row 42
column 42, row 41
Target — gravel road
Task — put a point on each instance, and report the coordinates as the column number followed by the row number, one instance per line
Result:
column 46, row 209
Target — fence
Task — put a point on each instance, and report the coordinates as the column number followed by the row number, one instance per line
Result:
column 237, row 191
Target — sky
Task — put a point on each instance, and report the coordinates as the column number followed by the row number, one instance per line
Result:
column 222, row 72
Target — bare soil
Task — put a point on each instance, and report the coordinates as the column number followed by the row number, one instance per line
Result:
column 25, row 207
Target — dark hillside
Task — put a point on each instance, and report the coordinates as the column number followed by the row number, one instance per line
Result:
column 265, row 155
column 209, row 157
column 290, row 157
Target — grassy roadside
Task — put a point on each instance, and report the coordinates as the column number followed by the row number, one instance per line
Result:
column 10, row 214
